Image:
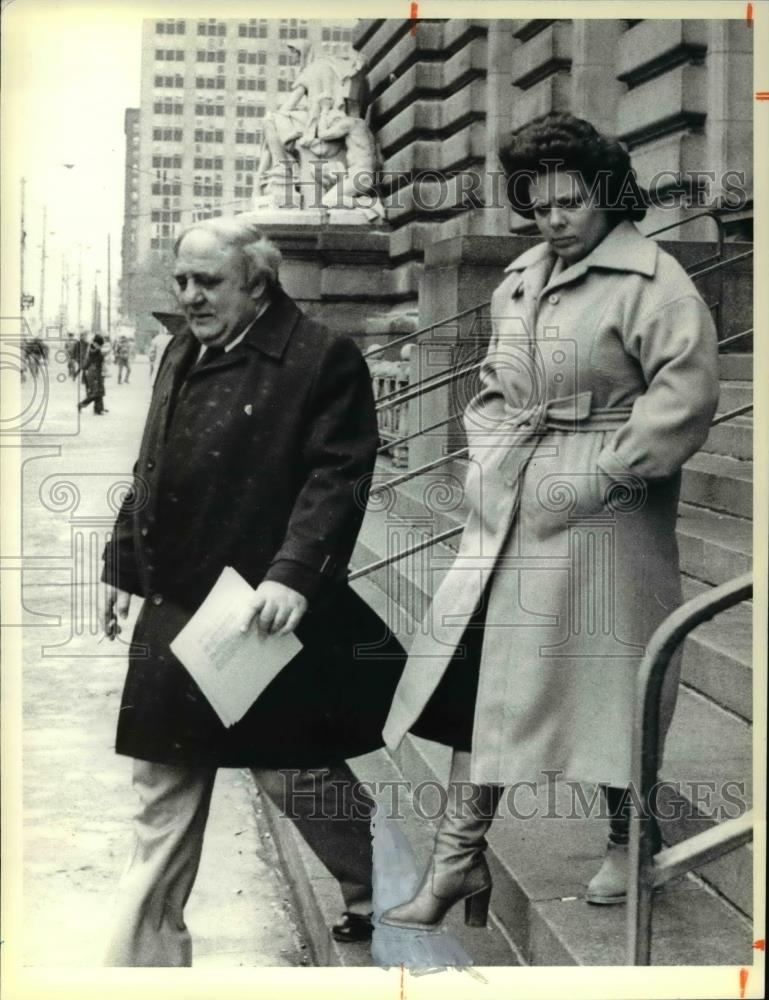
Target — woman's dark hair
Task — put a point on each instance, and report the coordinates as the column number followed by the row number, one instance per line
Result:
column 98, row 339
column 559, row 140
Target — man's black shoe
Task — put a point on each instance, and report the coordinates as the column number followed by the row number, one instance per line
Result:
column 352, row 927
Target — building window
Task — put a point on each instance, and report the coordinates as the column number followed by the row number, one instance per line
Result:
column 169, row 55
column 248, row 138
column 250, row 110
column 170, row 28
column 209, row 135
column 169, row 81
column 210, row 82
column 252, row 58
column 292, row 28
column 209, row 163
column 168, row 107
column 207, row 189
column 212, row 28
column 212, row 110
column 167, row 134
column 251, row 83
column 245, row 163
column 211, row 55
column 170, row 162
column 168, row 187
column 256, row 28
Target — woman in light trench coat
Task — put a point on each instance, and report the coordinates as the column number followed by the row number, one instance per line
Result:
column 599, row 383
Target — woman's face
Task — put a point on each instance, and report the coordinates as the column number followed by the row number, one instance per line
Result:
column 570, row 224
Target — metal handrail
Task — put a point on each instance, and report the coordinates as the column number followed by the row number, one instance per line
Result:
column 691, row 218
column 404, row 477
column 735, row 337
column 418, row 333
column 721, row 263
column 388, row 560
column 390, row 445
column 646, row 869
column 426, row 385
column 732, row 413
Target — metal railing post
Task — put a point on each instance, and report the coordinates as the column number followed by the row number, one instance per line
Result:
column 645, row 756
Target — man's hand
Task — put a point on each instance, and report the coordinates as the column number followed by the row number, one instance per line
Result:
column 278, row 609
column 116, row 602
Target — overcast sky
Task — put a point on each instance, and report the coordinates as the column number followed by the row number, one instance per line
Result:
column 69, row 72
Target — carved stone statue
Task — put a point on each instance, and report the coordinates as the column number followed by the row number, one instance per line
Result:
column 317, row 149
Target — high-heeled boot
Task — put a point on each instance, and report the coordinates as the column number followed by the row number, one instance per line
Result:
column 457, row 868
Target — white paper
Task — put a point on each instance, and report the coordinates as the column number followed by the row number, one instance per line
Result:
column 230, row 668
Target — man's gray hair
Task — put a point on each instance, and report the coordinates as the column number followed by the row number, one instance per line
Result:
column 260, row 255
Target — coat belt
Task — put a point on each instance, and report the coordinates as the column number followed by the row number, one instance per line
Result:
column 569, row 413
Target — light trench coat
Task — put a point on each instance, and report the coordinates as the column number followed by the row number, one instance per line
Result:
column 600, row 381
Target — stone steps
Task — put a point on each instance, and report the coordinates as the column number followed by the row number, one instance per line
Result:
column 736, row 366
column 714, row 547
column 734, row 393
column 733, row 438
column 718, row 656
column 720, row 483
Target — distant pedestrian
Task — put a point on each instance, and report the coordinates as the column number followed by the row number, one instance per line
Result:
column 93, row 376
column 72, row 348
column 158, row 345
column 35, row 355
column 123, row 359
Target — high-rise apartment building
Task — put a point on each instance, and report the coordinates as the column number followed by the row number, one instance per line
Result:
column 206, row 86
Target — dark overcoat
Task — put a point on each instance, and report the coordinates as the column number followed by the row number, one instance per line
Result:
column 93, row 371
column 258, row 460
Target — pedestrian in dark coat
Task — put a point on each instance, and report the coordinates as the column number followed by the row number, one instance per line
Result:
column 93, row 376
column 255, row 456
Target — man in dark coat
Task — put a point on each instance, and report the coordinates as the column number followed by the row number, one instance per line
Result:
column 259, row 441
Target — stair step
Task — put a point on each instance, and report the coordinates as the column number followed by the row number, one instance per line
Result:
column 737, row 367
column 720, row 483
column 733, row 438
column 718, row 656
column 734, row 393
column 713, row 547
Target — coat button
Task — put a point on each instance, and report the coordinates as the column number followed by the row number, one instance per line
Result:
column 554, row 299
column 150, row 465
column 157, row 599
column 145, row 532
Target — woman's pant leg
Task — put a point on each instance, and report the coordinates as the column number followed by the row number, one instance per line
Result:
column 619, row 802
column 168, row 840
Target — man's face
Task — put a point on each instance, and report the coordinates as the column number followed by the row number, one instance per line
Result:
column 210, row 286
column 571, row 226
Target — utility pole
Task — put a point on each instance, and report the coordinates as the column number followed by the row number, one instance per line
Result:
column 22, row 241
column 42, row 273
column 109, row 286
column 79, row 288
column 64, row 309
